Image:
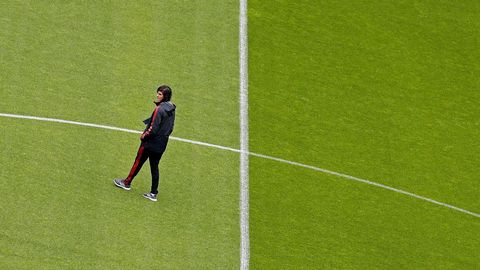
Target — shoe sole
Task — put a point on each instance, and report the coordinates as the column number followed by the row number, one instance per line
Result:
column 153, row 200
column 120, row 186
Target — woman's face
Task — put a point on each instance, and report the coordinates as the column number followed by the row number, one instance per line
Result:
column 159, row 96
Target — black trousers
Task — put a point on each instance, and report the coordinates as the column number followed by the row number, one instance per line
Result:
column 142, row 155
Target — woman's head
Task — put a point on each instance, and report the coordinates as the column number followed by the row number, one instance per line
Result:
column 166, row 93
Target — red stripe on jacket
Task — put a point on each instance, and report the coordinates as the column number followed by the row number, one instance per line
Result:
column 149, row 130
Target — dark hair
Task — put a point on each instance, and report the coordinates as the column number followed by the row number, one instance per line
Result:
column 166, row 92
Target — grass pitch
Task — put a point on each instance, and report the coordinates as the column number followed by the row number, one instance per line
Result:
column 101, row 63
column 384, row 91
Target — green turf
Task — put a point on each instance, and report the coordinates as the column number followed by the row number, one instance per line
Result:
column 67, row 214
column 304, row 220
column 383, row 90
column 101, row 62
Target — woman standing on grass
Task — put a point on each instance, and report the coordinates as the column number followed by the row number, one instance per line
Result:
column 154, row 141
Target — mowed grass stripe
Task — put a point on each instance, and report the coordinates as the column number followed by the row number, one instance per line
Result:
column 394, row 101
column 382, row 90
column 342, row 175
column 101, row 62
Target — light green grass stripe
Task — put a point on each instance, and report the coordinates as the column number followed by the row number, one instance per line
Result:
column 353, row 178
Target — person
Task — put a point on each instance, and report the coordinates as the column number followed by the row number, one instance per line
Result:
column 154, row 141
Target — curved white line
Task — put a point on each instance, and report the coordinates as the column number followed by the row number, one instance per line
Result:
column 113, row 128
column 346, row 176
column 365, row 181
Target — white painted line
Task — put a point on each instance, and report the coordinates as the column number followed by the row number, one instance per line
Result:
column 114, row 128
column 368, row 182
column 205, row 144
column 353, row 178
column 244, row 149
column 67, row 122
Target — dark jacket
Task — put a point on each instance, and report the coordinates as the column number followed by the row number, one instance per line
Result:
column 159, row 127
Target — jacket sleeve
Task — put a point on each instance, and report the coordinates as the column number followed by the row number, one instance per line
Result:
column 154, row 125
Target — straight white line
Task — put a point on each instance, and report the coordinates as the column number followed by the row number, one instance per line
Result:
column 346, row 176
column 244, row 149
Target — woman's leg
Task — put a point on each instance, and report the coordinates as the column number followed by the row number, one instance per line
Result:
column 154, row 159
column 142, row 156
